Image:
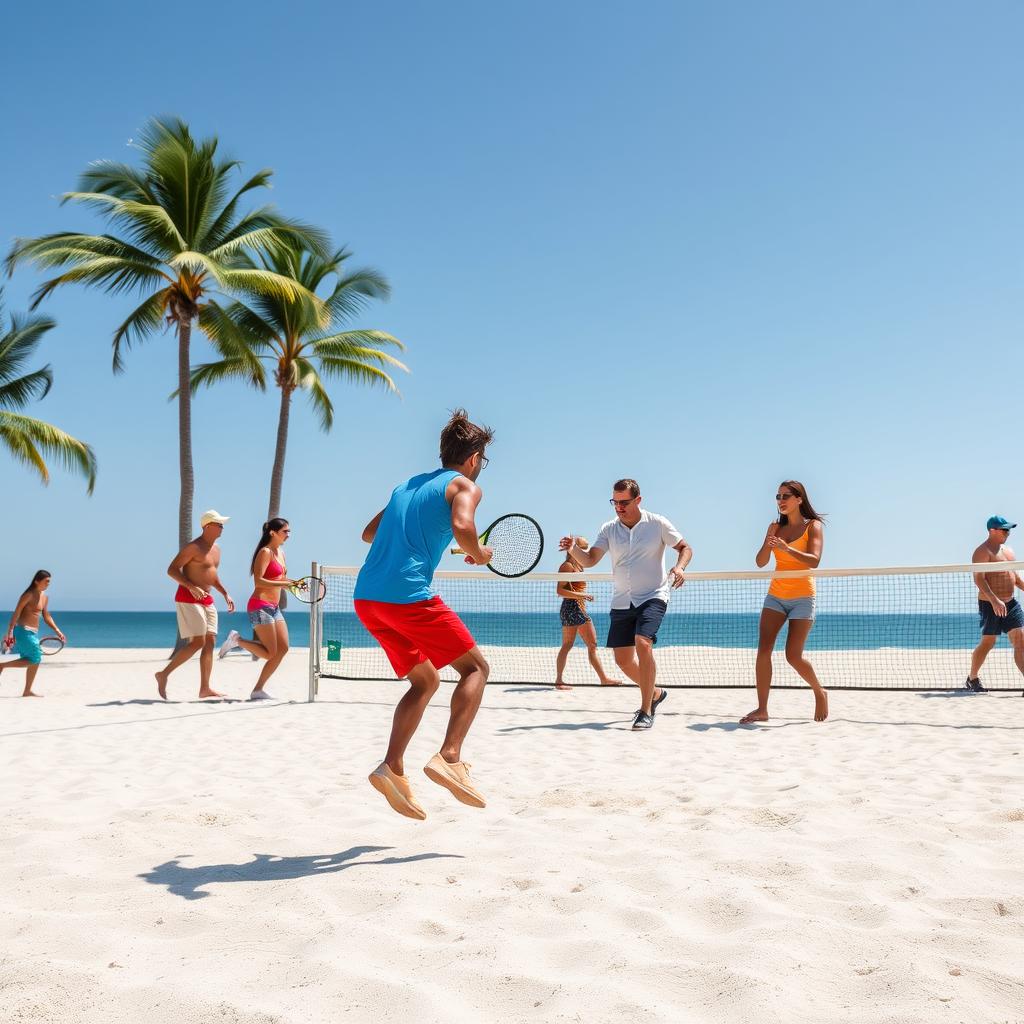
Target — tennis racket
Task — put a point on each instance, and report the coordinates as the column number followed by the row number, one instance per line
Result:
column 51, row 644
column 517, row 542
column 310, row 589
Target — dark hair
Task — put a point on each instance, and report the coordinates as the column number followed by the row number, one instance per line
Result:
column 42, row 574
column 625, row 484
column 806, row 508
column 460, row 439
column 272, row 524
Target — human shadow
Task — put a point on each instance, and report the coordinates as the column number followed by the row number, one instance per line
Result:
column 527, row 689
column 772, row 723
column 569, row 726
column 931, row 694
column 188, row 882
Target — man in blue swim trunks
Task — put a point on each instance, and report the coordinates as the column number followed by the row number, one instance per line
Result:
column 999, row 611
column 637, row 540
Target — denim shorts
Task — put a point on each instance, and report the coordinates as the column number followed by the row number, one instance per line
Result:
column 794, row 608
column 266, row 615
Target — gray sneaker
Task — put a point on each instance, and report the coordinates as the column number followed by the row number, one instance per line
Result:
column 642, row 721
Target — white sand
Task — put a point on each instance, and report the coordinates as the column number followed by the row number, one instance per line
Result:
column 229, row 862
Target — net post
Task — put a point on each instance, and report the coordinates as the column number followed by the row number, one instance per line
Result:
column 314, row 639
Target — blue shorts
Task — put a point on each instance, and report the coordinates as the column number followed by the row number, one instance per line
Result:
column 267, row 615
column 26, row 644
column 992, row 624
column 636, row 620
column 792, row 608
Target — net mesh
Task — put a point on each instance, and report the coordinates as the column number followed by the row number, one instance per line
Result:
column 887, row 629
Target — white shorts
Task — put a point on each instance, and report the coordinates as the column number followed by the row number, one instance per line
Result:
column 196, row 619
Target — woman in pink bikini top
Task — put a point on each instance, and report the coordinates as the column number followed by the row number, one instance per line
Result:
column 270, row 630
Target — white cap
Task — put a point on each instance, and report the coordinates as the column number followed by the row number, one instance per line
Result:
column 212, row 516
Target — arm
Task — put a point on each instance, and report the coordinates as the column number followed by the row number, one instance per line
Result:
column 370, row 529
column 812, row 556
column 684, row 553
column 49, row 621
column 464, row 503
column 565, row 589
column 764, row 553
column 228, row 599
column 588, row 559
column 15, row 615
column 176, row 571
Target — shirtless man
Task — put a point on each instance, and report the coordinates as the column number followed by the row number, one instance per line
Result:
column 23, row 629
column 194, row 569
column 1000, row 611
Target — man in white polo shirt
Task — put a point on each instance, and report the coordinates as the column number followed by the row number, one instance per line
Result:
column 637, row 540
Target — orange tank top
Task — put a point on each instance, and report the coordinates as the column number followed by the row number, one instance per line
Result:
column 794, row 587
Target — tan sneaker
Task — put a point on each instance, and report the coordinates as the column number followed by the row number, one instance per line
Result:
column 454, row 778
column 397, row 791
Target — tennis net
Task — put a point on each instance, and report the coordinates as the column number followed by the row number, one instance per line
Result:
column 910, row 628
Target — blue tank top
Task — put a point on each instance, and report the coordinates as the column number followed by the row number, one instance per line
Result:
column 412, row 536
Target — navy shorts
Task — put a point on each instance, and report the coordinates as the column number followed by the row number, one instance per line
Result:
column 992, row 624
column 636, row 620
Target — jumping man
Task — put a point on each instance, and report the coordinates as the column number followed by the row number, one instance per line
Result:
column 419, row 633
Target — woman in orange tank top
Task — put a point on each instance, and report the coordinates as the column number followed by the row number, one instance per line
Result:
column 795, row 539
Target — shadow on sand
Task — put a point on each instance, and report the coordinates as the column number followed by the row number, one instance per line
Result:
column 188, row 882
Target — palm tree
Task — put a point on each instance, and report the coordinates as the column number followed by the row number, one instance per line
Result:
column 182, row 236
column 284, row 335
column 28, row 439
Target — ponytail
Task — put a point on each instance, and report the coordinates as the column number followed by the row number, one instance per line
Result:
column 271, row 526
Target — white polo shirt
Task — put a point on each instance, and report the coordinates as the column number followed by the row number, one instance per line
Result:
column 638, row 557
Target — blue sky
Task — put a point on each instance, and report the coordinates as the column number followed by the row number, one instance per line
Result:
column 709, row 246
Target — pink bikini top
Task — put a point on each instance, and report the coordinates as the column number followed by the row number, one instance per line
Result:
column 273, row 570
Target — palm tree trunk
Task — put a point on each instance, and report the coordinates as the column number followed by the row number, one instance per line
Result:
column 277, row 475
column 184, row 435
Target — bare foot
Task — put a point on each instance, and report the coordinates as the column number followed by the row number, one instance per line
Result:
column 562, row 686
column 757, row 715
column 161, row 685
column 209, row 693
column 611, row 682
column 821, row 706
column 31, row 694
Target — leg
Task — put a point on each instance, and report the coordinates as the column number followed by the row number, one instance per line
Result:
column 771, row 622
column 423, row 684
column 980, row 654
column 30, row 676
column 629, row 661
column 589, row 635
column 568, row 639
column 799, row 630
column 191, row 645
column 648, row 671
column 469, row 691
column 1016, row 637
column 206, row 667
column 255, row 647
column 280, row 642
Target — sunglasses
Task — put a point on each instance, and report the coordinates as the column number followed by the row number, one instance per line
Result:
column 784, row 497
column 621, row 504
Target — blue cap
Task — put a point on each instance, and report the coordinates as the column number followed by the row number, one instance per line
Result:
column 1000, row 523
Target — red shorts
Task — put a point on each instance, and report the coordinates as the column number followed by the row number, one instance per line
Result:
column 412, row 633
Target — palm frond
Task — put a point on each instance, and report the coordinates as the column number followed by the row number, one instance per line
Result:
column 28, row 440
column 146, row 223
column 113, row 274
column 359, row 372
column 309, row 381
column 250, row 370
column 143, row 321
column 16, row 393
column 20, row 342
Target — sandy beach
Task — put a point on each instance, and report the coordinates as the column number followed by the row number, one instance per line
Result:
column 188, row 862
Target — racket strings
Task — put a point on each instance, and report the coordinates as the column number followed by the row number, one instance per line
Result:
column 516, row 542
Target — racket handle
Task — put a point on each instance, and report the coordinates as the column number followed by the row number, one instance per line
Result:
column 457, row 551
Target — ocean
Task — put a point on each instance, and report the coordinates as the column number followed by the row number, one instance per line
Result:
column 542, row 629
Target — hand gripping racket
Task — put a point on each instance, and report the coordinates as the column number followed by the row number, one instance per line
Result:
column 517, row 542
column 310, row 589
column 51, row 644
